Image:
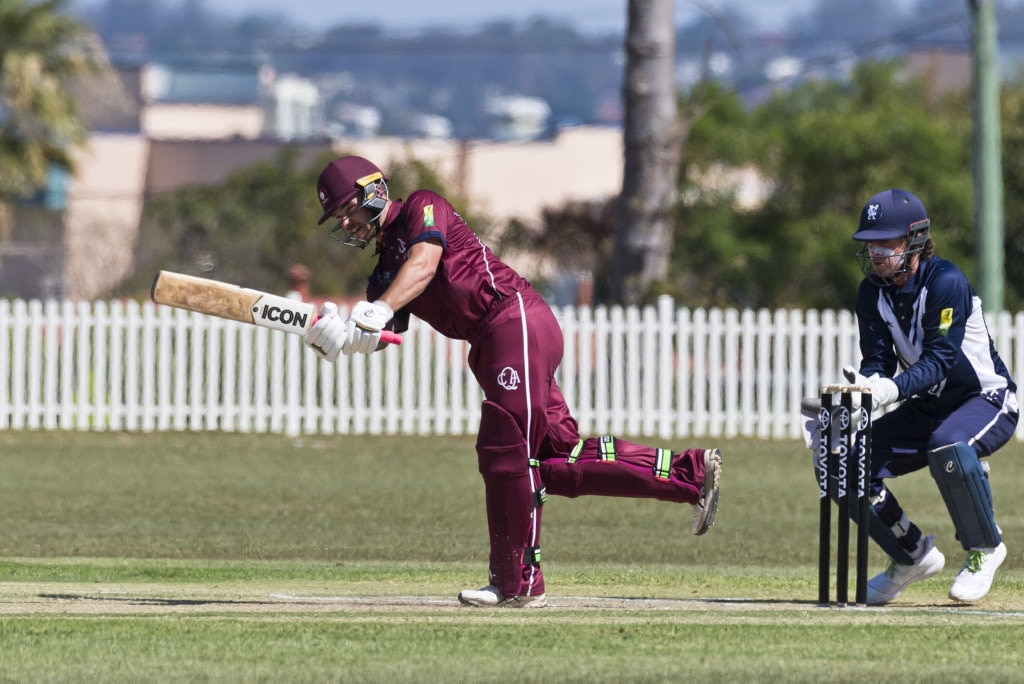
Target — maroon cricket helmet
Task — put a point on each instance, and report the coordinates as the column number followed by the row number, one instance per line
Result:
column 345, row 178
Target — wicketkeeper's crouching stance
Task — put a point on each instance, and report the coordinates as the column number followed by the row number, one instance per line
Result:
column 433, row 266
column 925, row 343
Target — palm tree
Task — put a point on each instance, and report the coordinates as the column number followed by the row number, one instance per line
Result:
column 41, row 51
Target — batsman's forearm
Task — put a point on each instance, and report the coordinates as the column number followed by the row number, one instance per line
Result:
column 414, row 276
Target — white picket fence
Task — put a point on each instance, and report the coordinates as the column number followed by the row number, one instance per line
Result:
column 656, row 371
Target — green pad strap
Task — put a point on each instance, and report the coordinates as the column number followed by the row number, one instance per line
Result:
column 663, row 464
column 576, row 451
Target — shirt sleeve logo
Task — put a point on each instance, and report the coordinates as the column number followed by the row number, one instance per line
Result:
column 945, row 320
column 428, row 216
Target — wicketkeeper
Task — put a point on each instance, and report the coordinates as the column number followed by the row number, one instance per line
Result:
column 924, row 342
column 431, row 265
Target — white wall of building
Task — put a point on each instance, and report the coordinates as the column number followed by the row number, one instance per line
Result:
column 105, row 200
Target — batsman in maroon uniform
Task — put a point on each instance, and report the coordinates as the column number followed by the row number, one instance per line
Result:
column 431, row 265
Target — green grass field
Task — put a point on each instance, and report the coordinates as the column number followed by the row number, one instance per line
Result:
column 173, row 557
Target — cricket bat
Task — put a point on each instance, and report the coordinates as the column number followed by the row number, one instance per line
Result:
column 235, row 303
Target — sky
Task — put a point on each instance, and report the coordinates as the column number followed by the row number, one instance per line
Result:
column 586, row 15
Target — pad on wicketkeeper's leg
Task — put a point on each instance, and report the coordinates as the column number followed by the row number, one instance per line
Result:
column 968, row 496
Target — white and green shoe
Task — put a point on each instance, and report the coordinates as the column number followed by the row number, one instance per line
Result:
column 975, row 578
column 887, row 585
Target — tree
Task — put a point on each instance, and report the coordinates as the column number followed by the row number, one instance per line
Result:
column 40, row 52
column 1013, row 192
column 822, row 150
column 816, row 154
column 653, row 146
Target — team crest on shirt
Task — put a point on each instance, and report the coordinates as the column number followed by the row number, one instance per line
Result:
column 945, row 320
column 508, row 378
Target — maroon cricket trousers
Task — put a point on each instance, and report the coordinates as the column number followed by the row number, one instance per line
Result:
column 528, row 444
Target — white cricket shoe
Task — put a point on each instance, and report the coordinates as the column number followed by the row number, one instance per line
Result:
column 887, row 585
column 975, row 579
column 490, row 597
column 705, row 509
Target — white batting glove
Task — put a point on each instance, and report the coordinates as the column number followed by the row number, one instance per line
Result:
column 363, row 327
column 358, row 340
column 372, row 316
column 327, row 335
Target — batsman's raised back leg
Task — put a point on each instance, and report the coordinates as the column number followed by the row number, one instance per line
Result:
column 608, row 466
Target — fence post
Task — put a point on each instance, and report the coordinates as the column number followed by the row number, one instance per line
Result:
column 732, row 373
column 666, row 364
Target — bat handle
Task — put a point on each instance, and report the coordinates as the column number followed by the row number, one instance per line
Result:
column 386, row 336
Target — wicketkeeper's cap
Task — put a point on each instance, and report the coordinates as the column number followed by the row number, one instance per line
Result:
column 342, row 180
column 889, row 215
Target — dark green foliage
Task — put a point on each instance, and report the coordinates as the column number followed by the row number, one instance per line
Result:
column 821, row 151
column 1013, row 198
column 814, row 155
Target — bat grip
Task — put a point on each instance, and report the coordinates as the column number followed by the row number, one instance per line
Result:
column 386, row 336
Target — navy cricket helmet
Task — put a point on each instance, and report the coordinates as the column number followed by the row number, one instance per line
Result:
column 891, row 214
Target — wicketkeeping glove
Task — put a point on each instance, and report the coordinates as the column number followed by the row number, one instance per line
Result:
column 362, row 329
column 883, row 390
column 327, row 335
column 854, row 377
